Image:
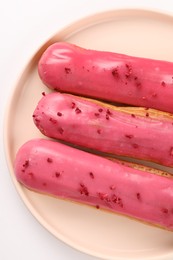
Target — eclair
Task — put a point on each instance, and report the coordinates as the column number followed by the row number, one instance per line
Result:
column 108, row 76
column 64, row 172
column 144, row 134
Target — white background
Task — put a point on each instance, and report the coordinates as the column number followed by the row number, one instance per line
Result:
column 24, row 26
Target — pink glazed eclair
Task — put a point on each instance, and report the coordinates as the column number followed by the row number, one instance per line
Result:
column 140, row 133
column 108, row 76
column 58, row 170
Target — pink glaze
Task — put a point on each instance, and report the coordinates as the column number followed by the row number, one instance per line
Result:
column 108, row 76
column 92, row 125
column 65, row 172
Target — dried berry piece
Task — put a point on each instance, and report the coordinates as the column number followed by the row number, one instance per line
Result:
column 97, row 114
column 107, row 117
column 99, row 131
column 138, row 195
column 57, row 174
column 60, row 130
column 83, row 189
column 163, row 84
column 59, row 114
column 112, row 187
column 91, row 175
column 78, row 111
column 26, row 164
column 52, row 120
column 129, row 136
column 67, row 70
column 73, row 105
column 115, row 73
column 135, row 146
column 117, row 200
column 104, row 196
column 108, row 112
column 49, row 160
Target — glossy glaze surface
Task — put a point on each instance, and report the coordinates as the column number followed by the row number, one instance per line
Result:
column 108, row 76
column 56, row 169
column 106, row 128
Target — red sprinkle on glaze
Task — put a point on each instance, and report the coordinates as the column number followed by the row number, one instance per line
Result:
column 97, row 114
column 163, row 84
column 103, row 196
column 164, row 210
column 33, row 115
column 120, row 202
column 78, row 111
column 43, row 93
column 91, row 175
column 144, row 98
column 147, row 114
column 112, row 187
column 115, row 73
column 83, row 189
column 99, row 131
column 37, row 120
column 67, row 70
column 109, row 112
column 114, row 198
column 171, row 151
column 107, row 117
column 57, row 174
column 132, row 115
column 129, row 71
column 52, row 120
column 100, row 110
column 129, row 136
column 49, row 160
column 73, row 105
column 135, row 146
column 97, row 206
column 59, row 114
column 60, row 130
column 138, row 195
column 44, row 184
column 26, row 164
column 117, row 200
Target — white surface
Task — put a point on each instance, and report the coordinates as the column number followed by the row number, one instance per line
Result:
column 24, row 26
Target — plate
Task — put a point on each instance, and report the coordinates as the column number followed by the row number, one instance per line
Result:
column 105, row 235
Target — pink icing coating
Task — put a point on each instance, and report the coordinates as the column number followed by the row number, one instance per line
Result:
column 92, row 125
column 65, row 172
column 108, row 76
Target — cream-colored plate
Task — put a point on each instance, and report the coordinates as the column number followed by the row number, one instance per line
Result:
column 102, row 234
